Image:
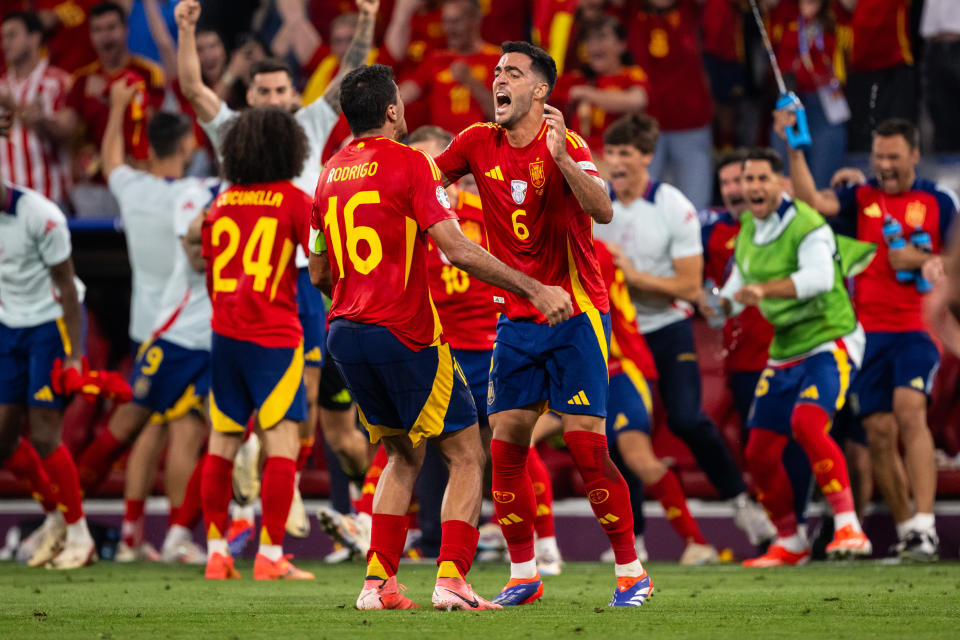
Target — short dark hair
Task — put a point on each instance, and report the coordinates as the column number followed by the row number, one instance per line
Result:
column 638, row 130
column 29, row 19
column 732, row 156
column 270, row 65
column 899, row 127
column 431, row 132
column 540, row 60
column 263, row 144
column 365, row 94
column 104, row 8
column 165, row 131
column 766, row 154
column 597, row 25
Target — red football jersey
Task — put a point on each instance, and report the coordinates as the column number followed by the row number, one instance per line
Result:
column 534, row 222
column 806, row 51
column 465, row 304
column 667, row 46
column 69, row 46
column 249, row 241
column 592, row 121
column 450, row 105
column 722, row 22
column 90, row 98
column 881, row 35
column 375, row 200
column 628, row 347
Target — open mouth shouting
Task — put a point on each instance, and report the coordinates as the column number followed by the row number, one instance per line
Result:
column 502, row 103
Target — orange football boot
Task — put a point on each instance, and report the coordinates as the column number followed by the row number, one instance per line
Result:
column 779, row 556
column 266, row 569
column 220, row 567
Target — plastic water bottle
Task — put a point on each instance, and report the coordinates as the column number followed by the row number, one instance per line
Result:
column 921, row 240
column 893, row 234
column 712, row 300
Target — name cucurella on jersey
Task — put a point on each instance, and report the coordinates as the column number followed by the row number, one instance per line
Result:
column 258, row 197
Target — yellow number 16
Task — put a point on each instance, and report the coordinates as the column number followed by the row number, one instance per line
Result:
column 355, row 234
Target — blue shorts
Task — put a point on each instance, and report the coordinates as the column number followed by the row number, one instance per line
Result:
column 564, row 366
column 475, row 365
column 26, row 359
column 629, row 405
column 822, row 379
column 423, row 394
column 313, row 319
column 247, row 377
column 169, row 379
column 893, row 359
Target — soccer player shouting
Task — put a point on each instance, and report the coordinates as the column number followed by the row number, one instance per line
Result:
column 375, row 203
column 256, row 358
column 541, row 193
column 786, row 264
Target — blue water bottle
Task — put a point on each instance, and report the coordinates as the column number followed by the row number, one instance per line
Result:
column 798, row 136
column 893, row 234
column 921, row 240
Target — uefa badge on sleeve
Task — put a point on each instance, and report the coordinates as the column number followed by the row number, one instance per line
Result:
column 518, row 189
column 442, row 198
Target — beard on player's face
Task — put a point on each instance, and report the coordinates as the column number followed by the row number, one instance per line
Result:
column 518, row 107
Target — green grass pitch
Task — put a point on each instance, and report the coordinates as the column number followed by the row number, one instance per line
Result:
column 863, row 600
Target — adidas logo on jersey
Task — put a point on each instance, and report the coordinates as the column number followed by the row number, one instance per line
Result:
column 811, row 393
column 495, row 173
column 580, row 400
column 44, row 395
column 918, row 384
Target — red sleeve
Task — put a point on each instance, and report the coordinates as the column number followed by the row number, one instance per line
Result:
column 424, row 74
column 580, row 152
column 301, row 216
column 454, row 162
column 429, row 199
column 74, row 99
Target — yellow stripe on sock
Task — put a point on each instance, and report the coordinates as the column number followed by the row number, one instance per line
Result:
column 264, row 536
column 448, row 570
column 375, row 568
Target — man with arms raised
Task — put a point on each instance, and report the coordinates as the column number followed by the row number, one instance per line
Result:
column 541, row 195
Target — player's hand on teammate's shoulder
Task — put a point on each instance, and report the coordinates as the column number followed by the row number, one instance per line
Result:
column 557, row 132
column 187, row 13
column 368, row 7
column 553, row 302
column 847, row 177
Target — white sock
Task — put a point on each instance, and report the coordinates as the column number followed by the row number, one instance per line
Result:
column 903, row 528
column 794, row 544
column 54, row 519
column 273, row 551
column 629, row 570
column 925, row 522
column 846, row 519
column 547, row 544
column 740, row 500
column 244, row 513
column 78, row 531
column 217, row 545
column 176, row 534
column 523, row 570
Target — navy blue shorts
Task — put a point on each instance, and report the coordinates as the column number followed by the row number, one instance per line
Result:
column 475, row 365
column 564, row 366
column 26, row 359
column 313, row 319
column 822, row 379
column 893, row 359
column 629, row 405
column 169, row 379
column 423, row 394
column 247, row 377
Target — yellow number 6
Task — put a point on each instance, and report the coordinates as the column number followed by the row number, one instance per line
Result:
column 763, row 384
column 518, row 227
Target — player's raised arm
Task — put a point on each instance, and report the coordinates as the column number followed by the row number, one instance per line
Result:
column 804, row 188
column 590, row 191
column 111, row 149
column 357, row 52
column 553, row 302
column 202, row 98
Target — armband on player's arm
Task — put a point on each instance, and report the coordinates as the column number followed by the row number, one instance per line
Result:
column 318, row 243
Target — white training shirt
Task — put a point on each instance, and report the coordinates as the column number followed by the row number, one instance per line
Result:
column 317, row 120
column 146, row 205
column 653, row 231
column 184, row 317
column 33, row 237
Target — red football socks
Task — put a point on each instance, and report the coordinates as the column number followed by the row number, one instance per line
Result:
column 216, row 489
column 276, row 496
column 365, row 503
column 186, row 514
column 809, row 423
column 764, row 456
column 458, row 546
column 514, row 504
column 303, row 456
column 25, row 464
column 669, row 494
column 387, row 537
column 132, row 526
column 543, row 493
column 606, row 489
column 63, row 480
column 97, row 459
